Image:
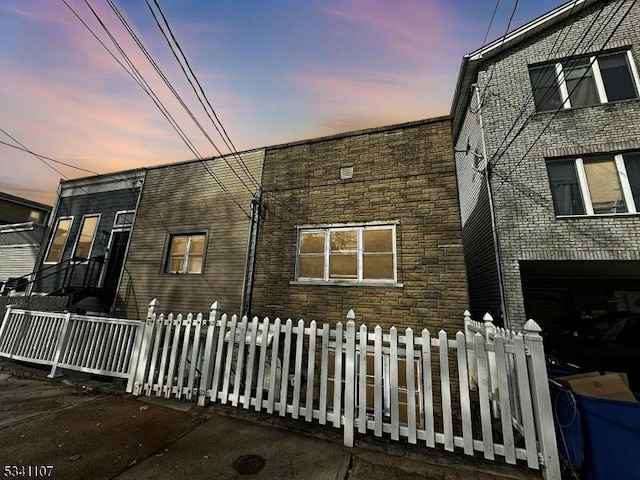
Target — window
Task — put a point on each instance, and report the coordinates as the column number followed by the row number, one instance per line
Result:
column 347, row 253
column 88, row 229
column 123, row 219
column 59, row 240
column 186, row 253
column 584, row 81
column 598, row 185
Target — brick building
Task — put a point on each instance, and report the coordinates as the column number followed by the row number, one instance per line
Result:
column 545, row 124
column 367, row 220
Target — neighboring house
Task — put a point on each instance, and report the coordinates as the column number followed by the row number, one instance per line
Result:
column 365, row 220
column 22, row 228
column 546, row 128
column 189, row 244
column 90, row 230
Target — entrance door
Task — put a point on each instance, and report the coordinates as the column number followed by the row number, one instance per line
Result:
column 115, row 260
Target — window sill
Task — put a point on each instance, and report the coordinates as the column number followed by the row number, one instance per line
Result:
column 339, row 283
column 599, row 215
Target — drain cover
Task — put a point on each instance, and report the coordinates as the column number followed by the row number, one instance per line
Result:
column 249, row 464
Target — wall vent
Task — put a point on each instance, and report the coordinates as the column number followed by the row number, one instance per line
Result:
column 346, row 173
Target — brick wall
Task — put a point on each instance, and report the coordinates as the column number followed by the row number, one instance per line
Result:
column 404, row 174
column 527, row 226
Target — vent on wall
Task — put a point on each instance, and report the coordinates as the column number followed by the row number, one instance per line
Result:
column 346, row 173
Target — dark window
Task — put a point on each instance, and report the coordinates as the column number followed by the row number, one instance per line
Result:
column 616, row 76
column 565, row 188
column 632, row 164
column 581, row 86
column 545, row 88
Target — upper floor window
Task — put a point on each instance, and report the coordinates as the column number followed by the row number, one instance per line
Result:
column 186, row 253
column 347, row 253
column 580, row 82
column 88, row 229
column 597, row 185
column 124, row 219
column 59, row 240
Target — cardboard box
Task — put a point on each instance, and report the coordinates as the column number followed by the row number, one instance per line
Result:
column 614, row 386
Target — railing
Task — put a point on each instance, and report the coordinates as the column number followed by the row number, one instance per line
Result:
column 102, row 346
column 398, row 383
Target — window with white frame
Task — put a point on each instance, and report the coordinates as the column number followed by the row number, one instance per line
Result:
column 596, row 185
column 86, row 235
column 584, row 81
column 59, row 240
column 185, row 253
column 347, row 253
column 123, row 219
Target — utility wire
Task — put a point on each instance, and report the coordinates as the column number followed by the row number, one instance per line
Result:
column 42, row 157
column 200, row 94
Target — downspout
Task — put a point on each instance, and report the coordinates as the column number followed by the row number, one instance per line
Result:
column 494, row 230
column 250, row 261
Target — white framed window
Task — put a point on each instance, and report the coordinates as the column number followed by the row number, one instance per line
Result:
column 123, row 219
column 59, row 240
column 185, row 253
column 86, row 237
column 584, row 81
column 347, row 253
column 596, row 185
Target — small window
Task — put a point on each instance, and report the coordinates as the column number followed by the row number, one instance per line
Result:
column 584, row 81
column 88, row 229
column 597, row 185
column 123, row 219
column 59, row 240
column 349, row 253
column 34, row 216
column 186, row 253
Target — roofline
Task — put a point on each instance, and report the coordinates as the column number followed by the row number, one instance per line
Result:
column 24, row 201
column 471, row 61
column 365, row 131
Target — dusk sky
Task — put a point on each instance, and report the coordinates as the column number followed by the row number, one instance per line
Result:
column 275, row 71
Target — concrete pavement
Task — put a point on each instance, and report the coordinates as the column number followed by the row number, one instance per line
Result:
column 89, row 430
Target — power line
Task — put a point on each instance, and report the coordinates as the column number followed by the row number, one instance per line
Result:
column 199, row 94
column 42, row 157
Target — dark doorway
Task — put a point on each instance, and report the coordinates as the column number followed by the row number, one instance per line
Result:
column 115, row 262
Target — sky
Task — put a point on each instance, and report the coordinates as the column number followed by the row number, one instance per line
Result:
column 274, row 71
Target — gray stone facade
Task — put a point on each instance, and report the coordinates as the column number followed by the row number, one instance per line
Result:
column 520, row 140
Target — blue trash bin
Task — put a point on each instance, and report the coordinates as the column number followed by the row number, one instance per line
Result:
column 611, row 437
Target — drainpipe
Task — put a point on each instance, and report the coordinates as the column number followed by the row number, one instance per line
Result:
column 252, row 241
column 494, row 230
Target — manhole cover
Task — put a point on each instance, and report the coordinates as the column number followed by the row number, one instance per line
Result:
column 249, row 464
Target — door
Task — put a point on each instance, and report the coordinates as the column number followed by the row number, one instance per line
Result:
column 115, row 260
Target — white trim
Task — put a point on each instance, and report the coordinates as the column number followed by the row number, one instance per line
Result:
column 584, row 186
column 597, row 77
column 634, row 72
column 53, row 235
column 93, row 238
column 562, row 84
column 623, row 178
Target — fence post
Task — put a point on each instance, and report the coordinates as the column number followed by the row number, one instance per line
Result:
column 5, row 322
column 471, row 353
column 489, row 334
column 140, row 365
column 207, row 371
column 62, row 343
column 539, row 384
column 349, row 380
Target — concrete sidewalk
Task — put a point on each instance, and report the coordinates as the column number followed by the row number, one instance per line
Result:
column 86, row 430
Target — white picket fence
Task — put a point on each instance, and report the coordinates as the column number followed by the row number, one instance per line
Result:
column 97, row 345
column 421, row 387
column 485, row 390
